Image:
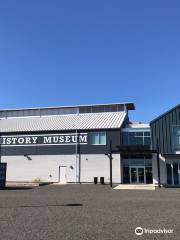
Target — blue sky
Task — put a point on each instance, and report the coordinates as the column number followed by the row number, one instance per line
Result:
column 81, row 52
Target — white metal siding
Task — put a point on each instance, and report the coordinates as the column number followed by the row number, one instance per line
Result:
column 99, row 166
column 162, row 169
column 19, row 168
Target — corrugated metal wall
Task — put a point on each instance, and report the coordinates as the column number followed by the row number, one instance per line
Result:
column 162, row 130
column 46, row 168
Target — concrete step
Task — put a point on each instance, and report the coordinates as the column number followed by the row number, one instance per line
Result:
column 135, row 186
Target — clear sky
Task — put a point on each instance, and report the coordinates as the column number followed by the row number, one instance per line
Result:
column 67, row 52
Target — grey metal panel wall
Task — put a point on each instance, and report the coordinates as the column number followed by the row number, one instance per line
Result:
column 162, row 130
column 113, row 135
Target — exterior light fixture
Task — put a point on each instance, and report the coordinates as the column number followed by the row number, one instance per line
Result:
column 28, row 157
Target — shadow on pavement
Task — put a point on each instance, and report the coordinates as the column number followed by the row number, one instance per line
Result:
column 17, row 188
column 48, row 205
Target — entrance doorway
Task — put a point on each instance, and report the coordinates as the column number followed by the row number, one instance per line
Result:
column 137, row 171
column 62, row 174
column 137, row 175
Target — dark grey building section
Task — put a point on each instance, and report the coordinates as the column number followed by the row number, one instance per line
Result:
column 162, row 130
column 111, row 135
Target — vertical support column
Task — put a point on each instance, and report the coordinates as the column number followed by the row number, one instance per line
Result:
column 78, row 159
column 0, row 149
column 110, row 159
column 158, row 166
column 77, row 165
column 109, row 155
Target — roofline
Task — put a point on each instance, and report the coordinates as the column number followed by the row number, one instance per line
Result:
column 162, row 115
column 130, row 106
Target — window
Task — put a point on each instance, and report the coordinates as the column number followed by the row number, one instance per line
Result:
column 136, row 138
column 172, row 170
column 169, row 173
column 176, row 136
column 97, row 109
column 125, row 138
column 137, row 162
column 147, row 134
column 139, row 134
column 147, row 141
column 98, row 138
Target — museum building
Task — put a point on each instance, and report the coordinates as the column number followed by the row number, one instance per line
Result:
column 72, row 145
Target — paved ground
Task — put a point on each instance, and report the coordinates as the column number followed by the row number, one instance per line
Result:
column 44, row 213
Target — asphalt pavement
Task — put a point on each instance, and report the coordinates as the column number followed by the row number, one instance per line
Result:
column 93, row 212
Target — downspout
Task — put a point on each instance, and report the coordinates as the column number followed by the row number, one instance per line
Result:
column 110, row 159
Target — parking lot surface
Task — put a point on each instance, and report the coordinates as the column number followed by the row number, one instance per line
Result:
column 87, row 211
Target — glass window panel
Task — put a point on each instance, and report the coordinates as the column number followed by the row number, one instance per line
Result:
column 120, row 107
column 132, row 141
column 149, row 179
column 102, row 138
column 96, row 109
column 98, row 138
column 177, row 130
column 147, row 134
column 176, row 136
column 139, row 141
column 87, row 109
column 126, row 162
column 177, row 141
column 132, row 134
column 133, row 175
column 147, row 141
column 125, row 138
column 148, row 162
column 175, row 173
column 141, row 174
column 137, row 162
column 139, row 134
column 136, row 140
column 111, row 108
column 169, row 173
column 126, row 177
column 94, row 138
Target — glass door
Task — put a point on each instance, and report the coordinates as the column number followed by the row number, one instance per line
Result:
column 140, row 174
column 137, row 175
column 133, row 174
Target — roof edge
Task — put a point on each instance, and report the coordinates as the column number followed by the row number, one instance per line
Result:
column 130, row 106
column 164, row 114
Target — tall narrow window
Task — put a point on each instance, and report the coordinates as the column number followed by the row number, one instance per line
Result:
column 175, row 173
column 176, row 137
column 169, row 173
column 102, row 138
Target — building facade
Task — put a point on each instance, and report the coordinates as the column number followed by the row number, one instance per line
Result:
column 63, row 144
column 166, row 139
column 137, row 159
column 71, row 145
